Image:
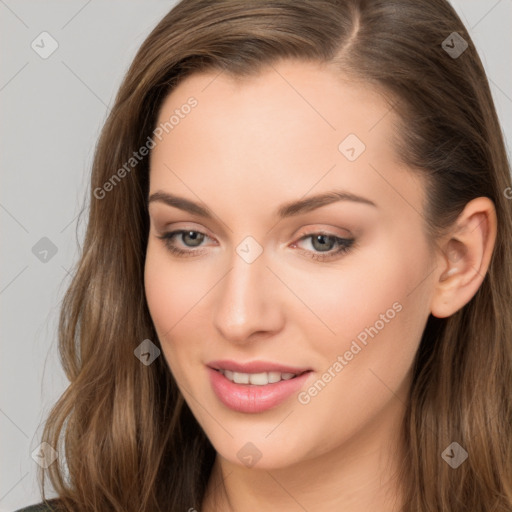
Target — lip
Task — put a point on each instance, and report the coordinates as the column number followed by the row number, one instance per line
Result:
column 255, row 367
column 250, row 398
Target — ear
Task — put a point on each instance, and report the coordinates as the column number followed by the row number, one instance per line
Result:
column 463, row 257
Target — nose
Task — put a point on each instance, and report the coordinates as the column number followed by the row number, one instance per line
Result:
column 247, row 303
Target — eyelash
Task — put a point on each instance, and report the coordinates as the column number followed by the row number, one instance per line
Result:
column 345, row 244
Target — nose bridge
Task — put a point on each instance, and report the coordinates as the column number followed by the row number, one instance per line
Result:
column 244, row 303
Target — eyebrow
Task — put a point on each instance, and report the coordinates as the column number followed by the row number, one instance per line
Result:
column 286, row 210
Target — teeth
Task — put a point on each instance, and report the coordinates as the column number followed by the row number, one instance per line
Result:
column 274, row 377
column 240, row 378
column 258, row 379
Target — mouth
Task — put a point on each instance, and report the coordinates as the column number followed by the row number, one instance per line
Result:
column 257, row 386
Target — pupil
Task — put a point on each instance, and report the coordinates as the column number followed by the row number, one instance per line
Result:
column 196, row 237
column 323, row 245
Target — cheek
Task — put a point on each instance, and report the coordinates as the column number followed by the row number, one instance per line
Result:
column 378, row 313
column 167, row 299
column 347, row 299
column 373, row 311
column 160, row 295
column 170, row 292
column 176, row 300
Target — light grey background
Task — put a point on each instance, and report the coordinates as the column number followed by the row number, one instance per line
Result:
column 52, row 111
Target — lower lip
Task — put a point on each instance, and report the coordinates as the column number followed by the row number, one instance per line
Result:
column 251, row 398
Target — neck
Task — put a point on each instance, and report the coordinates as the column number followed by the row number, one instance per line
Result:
column 359, row 475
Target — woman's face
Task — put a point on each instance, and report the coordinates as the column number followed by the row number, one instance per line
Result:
column 338, row 288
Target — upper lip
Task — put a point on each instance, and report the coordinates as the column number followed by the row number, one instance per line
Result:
column 255, row 367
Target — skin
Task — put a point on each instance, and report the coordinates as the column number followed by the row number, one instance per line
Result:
column 248, row 147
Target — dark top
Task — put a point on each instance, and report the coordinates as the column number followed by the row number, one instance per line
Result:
column 48, row 506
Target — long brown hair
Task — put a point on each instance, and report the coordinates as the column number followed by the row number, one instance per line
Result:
column 128, row 441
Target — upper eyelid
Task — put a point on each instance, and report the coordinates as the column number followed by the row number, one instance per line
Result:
column 302, row 232
column 167, row 230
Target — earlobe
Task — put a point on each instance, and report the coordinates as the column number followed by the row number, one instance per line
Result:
column 464, row 257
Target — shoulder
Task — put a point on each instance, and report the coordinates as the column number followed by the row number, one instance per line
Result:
column 47, row 506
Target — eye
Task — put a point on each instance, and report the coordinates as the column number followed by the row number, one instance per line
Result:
column 323, row 243
column 188, row 236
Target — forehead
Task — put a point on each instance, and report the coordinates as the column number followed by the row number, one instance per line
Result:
column 293, row 127
column 327, row 102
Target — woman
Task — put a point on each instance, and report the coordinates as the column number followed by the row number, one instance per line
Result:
column 295, row 286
